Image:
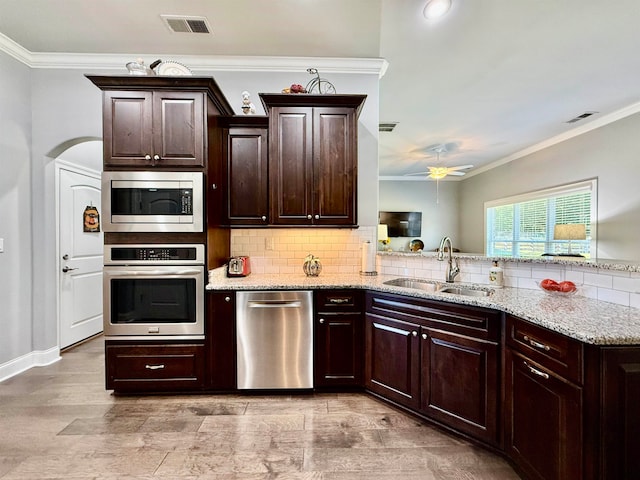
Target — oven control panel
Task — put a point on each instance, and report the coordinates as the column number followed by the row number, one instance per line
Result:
column 146, row 254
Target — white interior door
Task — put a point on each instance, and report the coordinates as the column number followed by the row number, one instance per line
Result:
column 80, row 261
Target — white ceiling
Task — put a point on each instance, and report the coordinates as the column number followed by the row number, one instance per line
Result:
column 492, row 80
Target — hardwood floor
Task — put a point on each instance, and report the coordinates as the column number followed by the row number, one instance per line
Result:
column 58, row 422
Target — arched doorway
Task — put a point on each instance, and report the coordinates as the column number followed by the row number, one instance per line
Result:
column 78, row 240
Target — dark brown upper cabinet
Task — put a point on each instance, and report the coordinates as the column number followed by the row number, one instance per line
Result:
column 245, row 150
column 313, row 158
column 156, row 122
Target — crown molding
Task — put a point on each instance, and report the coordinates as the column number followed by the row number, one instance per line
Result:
column 116, row 61
column 15, row 50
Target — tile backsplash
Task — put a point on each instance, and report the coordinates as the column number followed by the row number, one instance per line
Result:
column 620, row 287
column 283, row 250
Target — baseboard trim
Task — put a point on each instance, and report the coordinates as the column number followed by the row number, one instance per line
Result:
column 37, row 358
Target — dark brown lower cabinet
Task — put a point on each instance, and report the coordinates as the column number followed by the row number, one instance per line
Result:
column 220, row 331
column 437, row 359
column 460, row 382
column 620, row 425
column 154, row 367
column 339, row 338
column 543, row 420
column 392, row 360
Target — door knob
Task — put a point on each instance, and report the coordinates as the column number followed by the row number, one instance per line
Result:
column 67, row 269
column 65, row 257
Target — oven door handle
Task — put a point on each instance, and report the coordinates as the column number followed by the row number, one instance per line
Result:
column 148, row 273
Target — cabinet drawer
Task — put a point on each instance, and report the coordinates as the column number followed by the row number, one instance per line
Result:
column 338, row 300
column 552, row 350
column 475, row 322
column 155, row 367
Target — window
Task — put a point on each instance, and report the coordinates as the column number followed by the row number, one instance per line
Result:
column 523, row 226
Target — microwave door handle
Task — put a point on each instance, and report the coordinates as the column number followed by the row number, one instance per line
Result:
column 156, row 272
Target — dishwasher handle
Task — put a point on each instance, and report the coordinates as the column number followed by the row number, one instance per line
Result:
column 274, row 304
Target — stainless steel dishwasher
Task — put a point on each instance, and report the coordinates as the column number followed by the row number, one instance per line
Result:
column 274, row 337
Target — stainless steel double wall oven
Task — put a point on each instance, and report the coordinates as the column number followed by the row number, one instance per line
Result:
column 154, row 290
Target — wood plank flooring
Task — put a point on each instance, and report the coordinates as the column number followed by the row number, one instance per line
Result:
column 58, row 422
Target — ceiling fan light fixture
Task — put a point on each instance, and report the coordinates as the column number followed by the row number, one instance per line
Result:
column 436, row 8
column 438, row 172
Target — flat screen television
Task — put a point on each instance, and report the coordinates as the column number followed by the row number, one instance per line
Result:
column 402, row 224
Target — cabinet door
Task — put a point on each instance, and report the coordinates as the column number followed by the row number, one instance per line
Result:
column 335, row 166
column 338, row 343
column 290, row 165
column 392, row 359
column 220, row 330
column 127, row 128
column 247, row 183
column 543, row 420
column 178, row 129
column 620, row 412
column 460, row 383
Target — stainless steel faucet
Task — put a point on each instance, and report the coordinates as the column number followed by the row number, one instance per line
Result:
column 452, row 266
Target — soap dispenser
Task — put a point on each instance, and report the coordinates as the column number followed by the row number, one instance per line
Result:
column 496, row 276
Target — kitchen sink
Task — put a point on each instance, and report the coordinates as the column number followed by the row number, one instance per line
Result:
column 418, row 284
column 469, row 292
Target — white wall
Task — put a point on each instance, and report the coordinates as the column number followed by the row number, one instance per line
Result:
column 66, row 107
column 611, row 153
column 438, row 219
column 15, row 209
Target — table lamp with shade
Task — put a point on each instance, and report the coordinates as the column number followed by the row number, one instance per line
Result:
column 383, row 235
column 570, row 231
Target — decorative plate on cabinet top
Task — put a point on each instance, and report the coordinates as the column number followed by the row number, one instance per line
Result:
column 173, row 69
column 416, row 245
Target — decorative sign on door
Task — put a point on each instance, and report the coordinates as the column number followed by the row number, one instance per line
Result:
column 91, row 219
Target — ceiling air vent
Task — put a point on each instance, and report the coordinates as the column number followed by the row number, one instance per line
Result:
column 387, row 126
column 580, row 117
column 181, row 24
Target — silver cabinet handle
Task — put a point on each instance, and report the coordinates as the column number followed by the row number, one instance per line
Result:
column 147, row 157
column 156, row 157
column 309, row 217
column 424, row 336
column 414, row 333
column 154, row 367
column 67, row 269
column 535, row 344
column 214, row 186
column 535, row 371
column 339, row 301
column 264, row 218
column 227, row 299
column 135, row 273
column 317, row 217
column 321, row 320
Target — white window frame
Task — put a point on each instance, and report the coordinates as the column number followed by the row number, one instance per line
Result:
column 583, row 185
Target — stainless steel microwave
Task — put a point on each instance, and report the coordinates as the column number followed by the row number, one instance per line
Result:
column 152, row 201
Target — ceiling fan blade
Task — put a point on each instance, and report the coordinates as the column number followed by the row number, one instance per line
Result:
column 461, row 167
column 456, row 173
column 417, row 173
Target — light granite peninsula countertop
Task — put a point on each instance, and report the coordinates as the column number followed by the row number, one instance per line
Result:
column 588, row 320
column 602, row 264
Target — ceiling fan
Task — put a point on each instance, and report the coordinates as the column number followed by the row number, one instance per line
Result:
column 439, row 172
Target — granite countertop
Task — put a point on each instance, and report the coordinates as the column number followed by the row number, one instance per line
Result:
column 602, row 264
column 585, row 319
